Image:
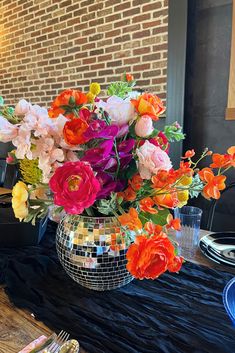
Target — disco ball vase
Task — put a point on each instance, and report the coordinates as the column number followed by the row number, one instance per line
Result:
column 92, row 251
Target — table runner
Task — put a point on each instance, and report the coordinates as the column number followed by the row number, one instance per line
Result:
column 178, row 313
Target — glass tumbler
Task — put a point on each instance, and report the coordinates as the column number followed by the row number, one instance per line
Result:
column 188, row 237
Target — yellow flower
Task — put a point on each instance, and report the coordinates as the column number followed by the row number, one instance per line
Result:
column 186, row 180
column 19, row 200
column 30, row 172
column 183, row 197
column 90, row 97
column 95, row 88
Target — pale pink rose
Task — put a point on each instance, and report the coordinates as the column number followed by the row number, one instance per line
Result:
column 144, row 126
column 22, row 107
column 119, row 110
column 8, row 131
column 151, row 160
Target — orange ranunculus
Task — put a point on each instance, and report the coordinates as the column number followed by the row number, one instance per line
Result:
column 128, row 195
column 136, row 182
column 129, row 77
column 149, row 104
column 173, row 223
column 166, row 198
column 131, row 220
column 220, row 160
column 150, row 257
column 146, row 205
column 213, row 183
column 188, row 154
column 176, row 264
column 73, row 131
column 153, row 229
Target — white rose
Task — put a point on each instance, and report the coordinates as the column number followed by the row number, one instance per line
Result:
column 119, row 110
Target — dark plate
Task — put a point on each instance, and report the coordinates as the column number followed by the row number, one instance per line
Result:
column 219, row 247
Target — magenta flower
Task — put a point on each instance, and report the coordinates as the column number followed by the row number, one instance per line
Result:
column 99, row 129
column 107, row 183
column 75, row 186
column 126, row 146
column 99, row 155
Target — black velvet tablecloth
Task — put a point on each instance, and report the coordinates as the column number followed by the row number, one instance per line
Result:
column 174, row 314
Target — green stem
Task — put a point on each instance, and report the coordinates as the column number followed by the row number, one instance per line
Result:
column 117, row 157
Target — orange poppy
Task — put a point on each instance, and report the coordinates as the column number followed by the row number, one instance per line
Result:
column 149, row 104
column 136, row 182
column 65, row 101
column 73, row 131
column 146, row 205
column 173, row 223
column 131, row 220
column 188, row 154
column 213, row 183
column 166, row 199
column 55, row 112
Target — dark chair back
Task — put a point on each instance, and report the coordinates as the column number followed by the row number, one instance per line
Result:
column 213, row 205
column 3, row 170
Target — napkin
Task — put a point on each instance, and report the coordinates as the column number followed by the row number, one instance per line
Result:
column 33, row 344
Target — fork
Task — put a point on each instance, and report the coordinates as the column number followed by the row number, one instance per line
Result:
column 57, row 342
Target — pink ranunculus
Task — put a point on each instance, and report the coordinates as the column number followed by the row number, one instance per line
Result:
column 119, row 110
column 22, row 107
column 151, row 160
column 75, row 186
column 8, row 131
column 144, row 126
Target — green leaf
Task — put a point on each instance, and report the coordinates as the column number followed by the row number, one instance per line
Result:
column 108, row 206
column 1, row 101
column 130, row 171
column 174, row 132
column 119, row 89
column 158, row 218
column 153, row 134
column 10, row 110
column 196, row 186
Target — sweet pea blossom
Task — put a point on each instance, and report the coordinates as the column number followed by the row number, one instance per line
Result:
column 151, row 160
column 144, row 126
column 119, row 110
column 8, row 131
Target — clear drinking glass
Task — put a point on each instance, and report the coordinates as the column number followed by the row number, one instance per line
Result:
column 188, row 237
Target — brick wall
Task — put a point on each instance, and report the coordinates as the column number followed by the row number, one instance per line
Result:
column 49, row 45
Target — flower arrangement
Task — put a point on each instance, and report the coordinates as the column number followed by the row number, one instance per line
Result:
column 106, row 157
